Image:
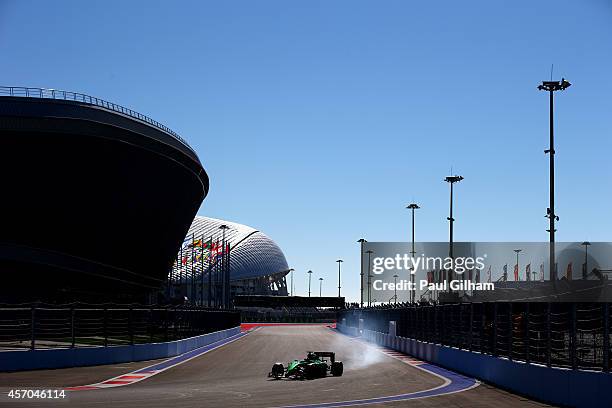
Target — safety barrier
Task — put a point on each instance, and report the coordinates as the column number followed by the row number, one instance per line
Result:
column 573, row 335
column 40, row 326
column 555, row 385
column 88, row 356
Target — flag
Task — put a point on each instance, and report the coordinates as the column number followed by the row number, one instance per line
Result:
column 477, row 275
column 505, row 274
column 489, row 273
column 430, row 277
column 568, row 274
column 541, row 272
column 196, row 243
column 528, row 272
column 186, row 243
column 516, row 277
column 470, row 275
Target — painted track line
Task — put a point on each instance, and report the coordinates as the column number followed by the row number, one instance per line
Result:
column 453, row 382
column 149, row 371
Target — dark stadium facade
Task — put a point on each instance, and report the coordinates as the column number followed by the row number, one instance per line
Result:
column 96, row 200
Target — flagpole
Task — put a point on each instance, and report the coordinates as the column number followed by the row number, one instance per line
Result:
column 180, row 272
column 202, row 271
column 210, row 272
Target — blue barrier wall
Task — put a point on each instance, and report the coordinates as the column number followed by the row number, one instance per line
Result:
column 559, row 386
column 89, row 356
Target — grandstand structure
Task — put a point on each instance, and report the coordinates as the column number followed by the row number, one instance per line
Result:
column 221, row 259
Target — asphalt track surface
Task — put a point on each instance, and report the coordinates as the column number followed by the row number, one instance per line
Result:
column 235, row 375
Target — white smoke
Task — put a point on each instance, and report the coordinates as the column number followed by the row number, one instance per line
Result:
column 354, row 353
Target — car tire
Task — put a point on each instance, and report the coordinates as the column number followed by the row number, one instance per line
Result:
column 337, row 368
column 278, row 370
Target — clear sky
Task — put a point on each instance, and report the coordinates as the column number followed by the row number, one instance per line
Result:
column 318, row 121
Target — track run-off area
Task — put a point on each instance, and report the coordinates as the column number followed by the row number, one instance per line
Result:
column 233, row 373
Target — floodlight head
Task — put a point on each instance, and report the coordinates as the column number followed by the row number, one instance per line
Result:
column 320, row 279
column 453, row 179
column 413, row 206
column 586, row 243
column 369, row 251
column 555, row 85
column 518, row 250
column 339, row 260
column 309, row 272
column 362, row 240
column 564, row 84
column 223, row 227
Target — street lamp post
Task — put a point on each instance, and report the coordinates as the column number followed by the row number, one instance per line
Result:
column 451, row 180
column 412, row 207
column 551, row 87
column 585, row 271
column 369, row 252
column 320, row 286
column 518, row 271
column 361, row 241
column 309, row 277
column 339, row 262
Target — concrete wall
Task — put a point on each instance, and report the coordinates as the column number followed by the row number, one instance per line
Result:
column 89, row 356
column 559, row 386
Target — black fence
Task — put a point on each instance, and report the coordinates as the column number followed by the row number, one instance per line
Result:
column 573, row 335
column 79, row 325
column 289, row 315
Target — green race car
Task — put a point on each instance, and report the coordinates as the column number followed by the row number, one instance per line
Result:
column 317, row 364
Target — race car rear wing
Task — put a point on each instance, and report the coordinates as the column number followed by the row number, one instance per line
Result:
column 329, row 354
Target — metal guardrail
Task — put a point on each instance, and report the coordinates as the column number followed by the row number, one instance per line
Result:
column 44, row 93
column 68, row 326
column 572, row 335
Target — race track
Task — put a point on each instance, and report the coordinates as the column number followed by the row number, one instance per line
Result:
column 235, row 375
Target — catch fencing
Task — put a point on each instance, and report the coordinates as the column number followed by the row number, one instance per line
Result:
column 573, row 335
column 67, row 326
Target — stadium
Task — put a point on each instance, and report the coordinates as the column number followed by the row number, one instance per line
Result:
column 98, row 200
column 203, row 273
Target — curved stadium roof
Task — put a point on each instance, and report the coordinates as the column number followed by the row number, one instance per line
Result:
column 252, row 253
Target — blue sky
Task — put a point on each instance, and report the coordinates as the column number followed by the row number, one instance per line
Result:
column 318, row 121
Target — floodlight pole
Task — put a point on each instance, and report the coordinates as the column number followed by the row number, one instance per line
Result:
column 369, row 252
column 585, row 272
column 551, row 87
column 518, row 270
column 291, row 270
column 361, row 241
column 320, row 286
column 339, row 262
column 395, row 287
column 309, row 278
column 451, row 180
column 412, row 207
